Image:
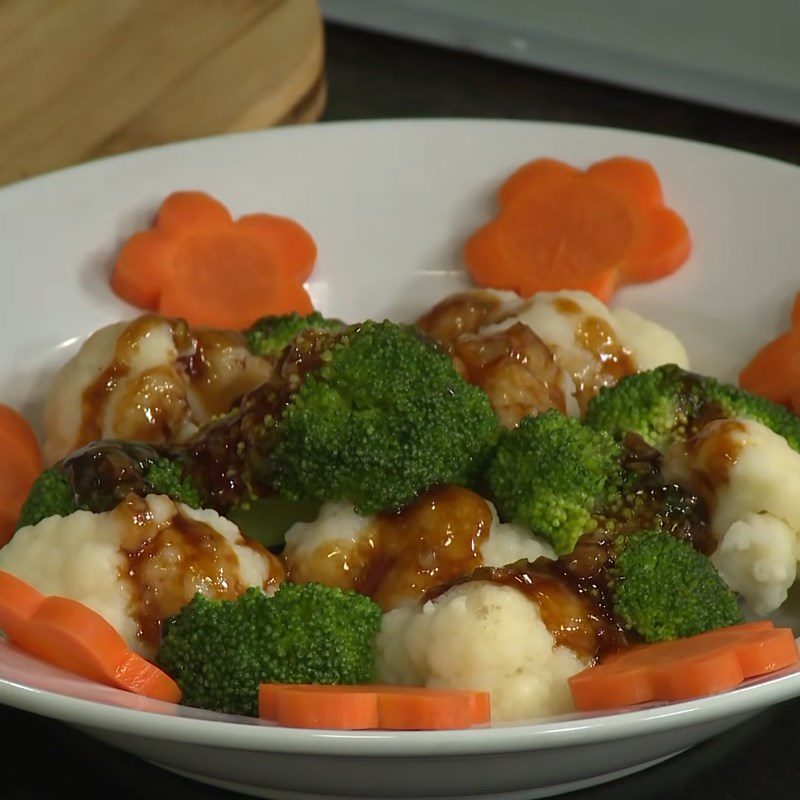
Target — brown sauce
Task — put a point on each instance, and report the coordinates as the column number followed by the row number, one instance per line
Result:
column 572, row 594
column 403, row 555
column 515, row 368
column 705, row 460
column 168, row 562
column 464, row 312
column 150, row 407
column 611, row 361
column 565, row 305
column 228, row 455
column 657, row 494
column 212, row 370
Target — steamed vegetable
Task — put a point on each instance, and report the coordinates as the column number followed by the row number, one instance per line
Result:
column 219, row 651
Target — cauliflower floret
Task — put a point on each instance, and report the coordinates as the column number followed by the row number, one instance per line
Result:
column 508, row 542
column 328, row 549
column 396, row 558
column 649, row 343
column 757, row 558
column 480, row 636
column 750, row 479
column 151, row 379
column 595, row 345
column 139, row 563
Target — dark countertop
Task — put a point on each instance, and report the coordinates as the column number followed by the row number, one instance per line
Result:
column 373, row 76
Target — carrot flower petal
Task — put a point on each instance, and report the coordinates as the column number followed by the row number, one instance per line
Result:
column 562, row 228
column 183, row 211
column 774, row 370
column 631, row 178
column 199, row 264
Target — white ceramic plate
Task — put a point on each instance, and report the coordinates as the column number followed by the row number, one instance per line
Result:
column 389, row 204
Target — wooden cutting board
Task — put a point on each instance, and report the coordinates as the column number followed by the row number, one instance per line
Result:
column 81, row 79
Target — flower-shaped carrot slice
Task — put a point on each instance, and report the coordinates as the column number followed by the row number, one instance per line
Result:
column 685, row 668
column 20, row 465
column 365, row 706
column 774, row 371
column 198, row 263
column 559, row 227
column 76, row 638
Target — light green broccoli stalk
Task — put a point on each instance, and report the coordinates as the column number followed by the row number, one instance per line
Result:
column 219, row 651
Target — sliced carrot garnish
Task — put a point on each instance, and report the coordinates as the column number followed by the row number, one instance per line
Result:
column 20, row 465
column 562, row 228
column 141, row 267
column 774, row 371
column 72, row 636
column 682, row 669
column 186, row 211
column 372, row 706
column 223, row 281
column 197, row 263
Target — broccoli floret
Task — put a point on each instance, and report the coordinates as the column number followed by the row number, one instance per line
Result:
column 552, row 474
column 165, row 476
column 269, row 335
column 645, row 500
column 384, row 417
column 50, row 495
column 662, row 588
column 219, row 651
column 669, row 404
column 99, row 476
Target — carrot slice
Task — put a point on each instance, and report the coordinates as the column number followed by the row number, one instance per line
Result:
column 562, row 228
column 72, row 636
column 197, row 263
column 225, row 280
column 184, row 211
column 699, row 665
column 141, row 266
column 20, row 465
column 297, row 251
column 334, row 710
column 365, row 706
column 774, row 370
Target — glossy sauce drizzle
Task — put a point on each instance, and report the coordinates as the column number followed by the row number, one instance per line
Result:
column 228, row 454
column 211, row 370
column 463, row 312
column 705, row 460
column 572, row 594
column 515, row 368
column 611, row 361
column 169, row 560
column 402, row 555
